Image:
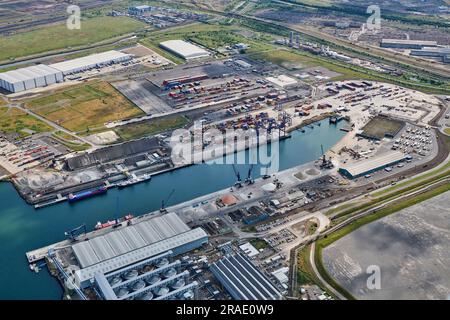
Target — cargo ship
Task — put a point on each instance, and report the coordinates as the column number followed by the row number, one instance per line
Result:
column 134, row 180
column 87, row 194
column 111, row 223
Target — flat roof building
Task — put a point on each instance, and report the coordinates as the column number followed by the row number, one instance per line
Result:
column 433, row 52
column 283, row 81
column 406, row 44
column 29, row 78
column 242, row 280
column 184, row 49
column 364, row 167
column 91, row 61
column 139, row 9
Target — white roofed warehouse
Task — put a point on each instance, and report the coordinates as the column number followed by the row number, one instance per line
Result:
column 29, row 78
column 364, row 167
column 184, row 49
column 91, row 61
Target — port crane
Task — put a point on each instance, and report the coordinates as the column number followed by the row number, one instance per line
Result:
column 164, row 202
column 74, row 233
column 249, row 179
column 326, row 163
column 238, row 183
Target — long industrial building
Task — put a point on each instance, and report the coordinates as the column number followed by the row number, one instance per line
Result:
column 29, row 78
column 154, row 278
column 406, row 44
column 242, row 280
column 91, row 61
column 184, row 49
column 125, row 246
column 440, row 53
column 364, row 167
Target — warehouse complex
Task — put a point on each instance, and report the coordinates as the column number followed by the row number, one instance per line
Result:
column 184, row 49
column 122, row 247
column 406, row 44
column 242, row 280
column 42, row 75
column 90, row 62
column 30, row 78
column 369, row 166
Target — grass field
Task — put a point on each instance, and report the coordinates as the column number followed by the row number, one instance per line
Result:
column 284, row 58
column 70, row 141
column 258, row 244
column 305, row 273
column 151, row 127
column 81, row 107
column 15, row 120
column 58, row 37
column 211, row 36
column 379, row 127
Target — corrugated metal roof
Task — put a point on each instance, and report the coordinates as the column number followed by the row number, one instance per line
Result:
column 28, row 73
column 134, row 256
column 184, row 49
column 413, row 42
column 85, row 253
column 243, row 280
column 361, row 167
column 118, row 242
column 88, row 61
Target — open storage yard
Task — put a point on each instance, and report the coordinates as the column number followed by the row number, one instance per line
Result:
column 380, row 127
column 82, row 107
column 410, row 247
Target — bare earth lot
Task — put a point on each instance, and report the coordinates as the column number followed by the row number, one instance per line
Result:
column 411, row 247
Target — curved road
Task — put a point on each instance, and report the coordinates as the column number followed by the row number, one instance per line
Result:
column 356, row 217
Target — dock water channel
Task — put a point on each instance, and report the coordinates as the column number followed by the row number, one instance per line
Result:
column 22, row 228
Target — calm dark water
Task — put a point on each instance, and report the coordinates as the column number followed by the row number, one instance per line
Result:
column 22, row 228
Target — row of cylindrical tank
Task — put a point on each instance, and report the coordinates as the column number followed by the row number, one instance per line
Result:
column 131, row 274
column 141, row 284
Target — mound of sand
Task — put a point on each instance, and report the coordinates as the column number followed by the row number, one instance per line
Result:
column 301, row 176
column 312, row 172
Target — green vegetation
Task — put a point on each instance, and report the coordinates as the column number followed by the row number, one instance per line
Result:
column 284, row 58
column 259, row 244
column 58, row 37
column 16, row 121
column 153, row 39
column 305, row 273
column 447, row 130
column 361, row 11
column 70, row 141
column 83, row 106
column 151, row 127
